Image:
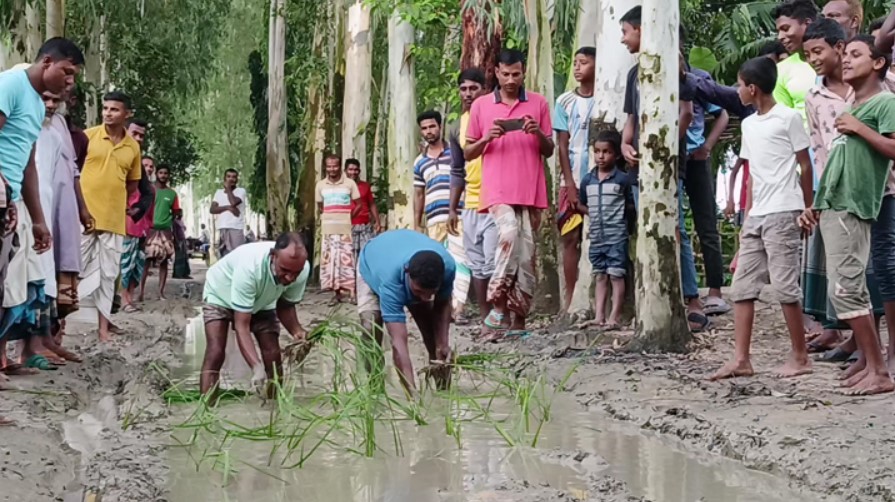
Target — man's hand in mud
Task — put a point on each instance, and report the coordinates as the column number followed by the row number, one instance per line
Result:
column 12, row 220
column 259, row 376
column 630, row 154
column 453, row 222
column 300, row 335
column 42, row 237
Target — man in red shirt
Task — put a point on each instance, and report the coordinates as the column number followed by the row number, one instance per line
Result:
column 362, row 228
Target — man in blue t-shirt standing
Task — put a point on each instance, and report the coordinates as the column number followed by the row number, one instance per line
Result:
column 403, row 268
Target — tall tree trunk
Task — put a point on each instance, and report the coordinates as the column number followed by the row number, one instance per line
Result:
column 482, row 34
column 598, row 23
column 55, row 18
column 358, row 82
column 402, row 130
column 380, row 153
column 279, row 180
column 661, row 318
column 539, row 76
column 315, row 144
column 34, row 38
column 15, row 51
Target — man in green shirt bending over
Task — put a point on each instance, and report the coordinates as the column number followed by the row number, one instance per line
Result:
column 254, row 288
column 160, row 242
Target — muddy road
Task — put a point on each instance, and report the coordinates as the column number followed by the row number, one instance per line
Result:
column 629, row 428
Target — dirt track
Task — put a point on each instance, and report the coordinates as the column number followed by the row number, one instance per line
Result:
column 70, row 436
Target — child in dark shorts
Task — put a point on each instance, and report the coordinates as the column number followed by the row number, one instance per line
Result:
column 605, row 196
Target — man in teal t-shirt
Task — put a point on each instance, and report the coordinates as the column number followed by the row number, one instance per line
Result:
column 160, row 242
column 254, row 288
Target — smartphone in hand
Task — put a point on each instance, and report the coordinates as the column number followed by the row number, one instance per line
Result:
column 510, row 124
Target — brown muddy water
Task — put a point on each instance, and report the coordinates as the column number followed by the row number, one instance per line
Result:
column 574, row 447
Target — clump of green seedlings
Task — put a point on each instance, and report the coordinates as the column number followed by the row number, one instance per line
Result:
column 350, row 404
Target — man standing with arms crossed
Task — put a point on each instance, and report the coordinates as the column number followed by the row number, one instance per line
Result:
column 229, row 206
column 511, row 131
column 478, row 230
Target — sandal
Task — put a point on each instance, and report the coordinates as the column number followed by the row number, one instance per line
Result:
column 834, row 355
column 517, row 334
column 494, row 320
column 703, row 323
column 130, row 309
column 715, row 306
column 40, row 362
column 14, row 369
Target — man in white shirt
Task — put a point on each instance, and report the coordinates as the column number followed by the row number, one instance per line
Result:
column 229, row 206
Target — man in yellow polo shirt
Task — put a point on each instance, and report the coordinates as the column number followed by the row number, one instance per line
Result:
column 111, row 173
column 478, row 229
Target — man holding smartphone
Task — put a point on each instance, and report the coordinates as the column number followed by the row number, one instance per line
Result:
column 511, row 130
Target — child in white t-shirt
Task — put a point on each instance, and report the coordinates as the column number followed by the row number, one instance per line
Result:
column 776, row 145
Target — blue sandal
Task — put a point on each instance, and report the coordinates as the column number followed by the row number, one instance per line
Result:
column 517, row 334
column 494, row 320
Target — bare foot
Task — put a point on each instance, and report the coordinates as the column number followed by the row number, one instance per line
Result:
column 793, row 368
column 593, row 323
column 871, row 385
column 161, row 296
column 105, row 336
column 140, row 298
column 733, row 369
column 854, row 379
column 853, row 369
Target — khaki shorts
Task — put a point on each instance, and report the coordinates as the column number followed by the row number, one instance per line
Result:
column 367, row 301
column 847, row 248
column 265, row 321
column 769, row 255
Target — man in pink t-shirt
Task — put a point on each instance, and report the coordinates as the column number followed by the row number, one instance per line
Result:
column 511, row 130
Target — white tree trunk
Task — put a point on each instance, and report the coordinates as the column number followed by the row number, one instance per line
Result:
column 358, row 82
column 539, row 78
column 279, row 179
column 14, row 49
column 402, row 127
column 598, row 23
column 34, row 38
column 661, row 318
column 55, row 18
column 379, row 145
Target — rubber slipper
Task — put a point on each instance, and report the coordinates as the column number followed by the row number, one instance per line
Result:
column 40, row 362
column 816, row 348
column 130, row 309
column 517, row 334
column 715, row 306
column 699, row 319
column 834, row 355
column 494, row 320
column 855, row 356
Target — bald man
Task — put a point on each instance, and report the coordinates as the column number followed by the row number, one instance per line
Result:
column 254, row 288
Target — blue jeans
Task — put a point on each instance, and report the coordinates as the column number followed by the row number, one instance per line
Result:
column 689, row 284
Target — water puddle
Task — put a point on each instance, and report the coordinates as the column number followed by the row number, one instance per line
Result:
column 574, row 449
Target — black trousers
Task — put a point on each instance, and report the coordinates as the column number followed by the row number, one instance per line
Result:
column 700, row 187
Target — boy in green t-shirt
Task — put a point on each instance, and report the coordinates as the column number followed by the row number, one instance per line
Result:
column 849, row 199
column 160, row 242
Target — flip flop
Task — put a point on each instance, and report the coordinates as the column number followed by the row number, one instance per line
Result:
column 715, row 306
column 494, row 320
column 834, row 355
column 517, row 334
column 815, row 348
column 40, row 362
column 703, row 322
column 130, row 309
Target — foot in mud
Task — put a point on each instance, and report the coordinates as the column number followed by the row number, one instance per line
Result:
column 733, row 369
column 853, row 370
column 592, row 324
column 854, row 379
column 793, row 368
column 870, row 385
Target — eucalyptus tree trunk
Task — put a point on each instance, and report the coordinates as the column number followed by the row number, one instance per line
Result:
column 13, row 49
column 402, row 127
column 358, row 82
column 539, row 78
column 34, row 35
column 315, row 144
column 661, row 317
column 55, row 18
column 380, row 155
column 279, row 180
column 598, row 24
column 482, row 34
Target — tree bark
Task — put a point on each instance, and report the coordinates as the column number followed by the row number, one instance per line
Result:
column 380, row 156
column 358, row 82
column 539, row 78
column 55, row 18
column 661, row 317
column 482, row 34
column 314, row 146
column 34, row 36
column 402, row 130
column 601, row 27
column 279, row 179
column 15, row 51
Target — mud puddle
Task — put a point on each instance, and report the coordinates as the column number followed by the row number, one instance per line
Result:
column 575, row 448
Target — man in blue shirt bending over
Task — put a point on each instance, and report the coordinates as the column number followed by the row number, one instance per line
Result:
column 403, row 268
